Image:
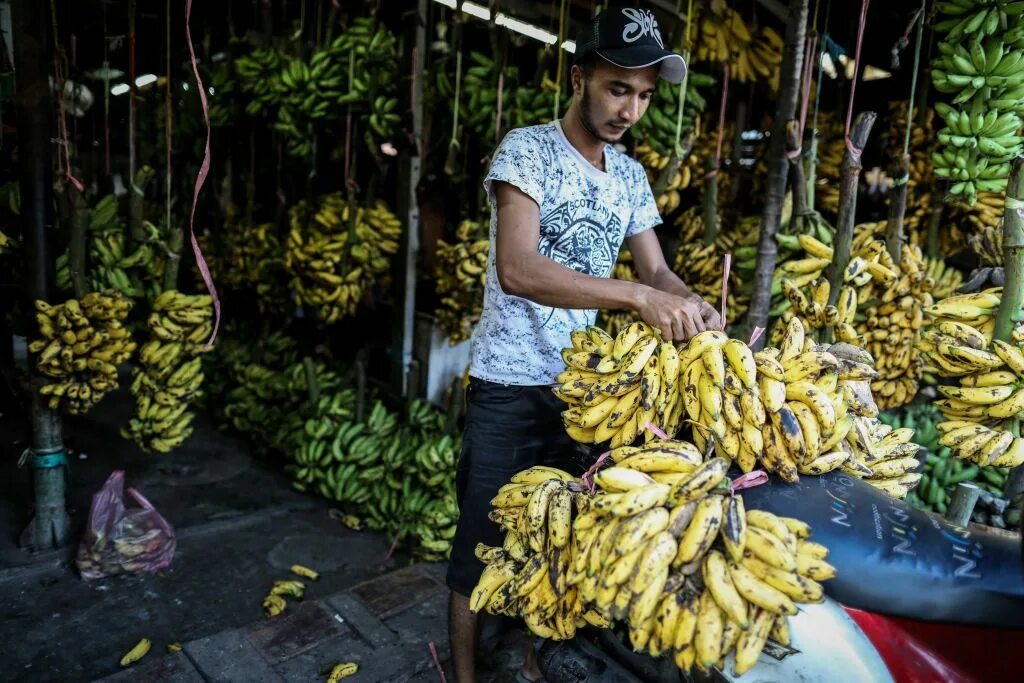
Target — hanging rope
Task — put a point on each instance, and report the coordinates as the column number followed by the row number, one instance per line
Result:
column 167, row 116
column 131, row 96
column 682, row 86
column 854, row 151
column 821, row 69
column 204, row 170
column 561, row 59
column 59, row 66
column 106, row 95
column 721, row 121
column 913, row 77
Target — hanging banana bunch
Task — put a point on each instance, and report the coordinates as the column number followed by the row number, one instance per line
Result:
column 982, row 411
column 979, row 63
column 461, row 274
column 336, row 253
column 752, row 54
column 248, row 259
column 170, row 373
column 661, row 547
column 111, row 266
column 80, row 345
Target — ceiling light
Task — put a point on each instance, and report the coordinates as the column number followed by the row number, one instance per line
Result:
column 528, row 30
column 447, row 3
column 145, row 79
column 479, row 11
column 120, row 89
column 569, row 46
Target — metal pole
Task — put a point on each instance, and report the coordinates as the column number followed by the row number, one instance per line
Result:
column 34, row 113
column 408, row 206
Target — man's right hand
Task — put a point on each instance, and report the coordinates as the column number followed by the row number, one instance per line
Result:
column 676, row 317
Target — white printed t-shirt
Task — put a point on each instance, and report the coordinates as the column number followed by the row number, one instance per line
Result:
column 585, row 214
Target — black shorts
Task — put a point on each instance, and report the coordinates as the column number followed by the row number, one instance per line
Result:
column 508, row 429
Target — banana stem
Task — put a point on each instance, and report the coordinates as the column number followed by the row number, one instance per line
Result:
column 789, row 87
column 77, row 248
column 796, row 175
column 848, row 178
column 175, row 242
column 312, row 385
column 935, row 218
column 897, row 207
column 1013, row 255
column 710, row 202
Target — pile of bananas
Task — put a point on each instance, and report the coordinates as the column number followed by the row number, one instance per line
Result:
column 170, row 373
column 616, row 321
column 616, row 386
column 461, row 275
column 80, row 346
column 752, row 54
column 979, row 63
column 946, row 279
column 659, row 546
column 336, row 254
column 397, row 477
column 981, row 412
column 301, row 94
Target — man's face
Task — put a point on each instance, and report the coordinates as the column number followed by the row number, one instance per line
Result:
column 612, row 98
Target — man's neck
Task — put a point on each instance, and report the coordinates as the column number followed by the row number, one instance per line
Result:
column 582, row 139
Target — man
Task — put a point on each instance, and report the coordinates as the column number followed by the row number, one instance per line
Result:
column 562, row 201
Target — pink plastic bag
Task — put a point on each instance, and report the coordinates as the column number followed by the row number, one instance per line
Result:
column 122, row 540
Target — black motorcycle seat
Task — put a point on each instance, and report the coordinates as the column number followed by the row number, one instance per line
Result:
column 893, row 559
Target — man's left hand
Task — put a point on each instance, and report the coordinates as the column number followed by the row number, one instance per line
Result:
column 710, row 315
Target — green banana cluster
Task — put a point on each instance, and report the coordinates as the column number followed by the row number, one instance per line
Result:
column 396, row 476
column 135, row 273
column 358, row 69
column 942, row 472
column 657, row 127
column 248, row 259
column 983, row 71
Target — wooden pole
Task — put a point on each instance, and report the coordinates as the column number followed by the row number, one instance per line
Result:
column 34, row 113
column 778, row 166
column 897, row 207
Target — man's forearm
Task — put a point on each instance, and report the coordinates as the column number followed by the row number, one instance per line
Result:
column 667, row 281
column 546, row 282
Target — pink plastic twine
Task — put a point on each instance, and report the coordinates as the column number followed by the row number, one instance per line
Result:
column 748, row 481
column 204, row 170
column 63, row 123
column 755, row 335
column 437, row 662
column 805, row 95
column 656, row 430
column 721, row 122
column 587, row 479
column 854, row 152
column 726, row 267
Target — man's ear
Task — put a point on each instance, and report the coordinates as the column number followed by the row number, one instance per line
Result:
column 576, row 77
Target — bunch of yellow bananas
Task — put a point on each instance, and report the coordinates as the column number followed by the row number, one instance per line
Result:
column 655, row 163
column 336, row 254
column 700, row 265
column 80, row 345
column 946, row 279
column 275, row 603
column 461, row 274
column 170, row 374
column 753, row 54
column 982, row 411
column 616, row 386
column 660, row 546
column 248, row 258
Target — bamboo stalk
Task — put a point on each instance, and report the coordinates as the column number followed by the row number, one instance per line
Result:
column 897, row 207
column 849, row 176
column 1013, row 255
column 767, row 249
column 76, row 248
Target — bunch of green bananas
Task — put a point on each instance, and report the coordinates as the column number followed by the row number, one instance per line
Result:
column 80, row 345
column 654, row 542
column 135, row 274
column 461, row 274
column 480, row 102
column 657, row 127
column 982, row 410
column 397, row 477
column 336, row 253
column 979, row 67
column 169, row 376
column 358, row 69
column 941, row 471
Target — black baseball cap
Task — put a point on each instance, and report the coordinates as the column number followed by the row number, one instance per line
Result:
column 630, row 38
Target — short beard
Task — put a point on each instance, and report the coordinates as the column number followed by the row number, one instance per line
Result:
column 588, row 120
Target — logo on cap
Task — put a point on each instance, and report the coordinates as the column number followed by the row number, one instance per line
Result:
column 642, row 23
